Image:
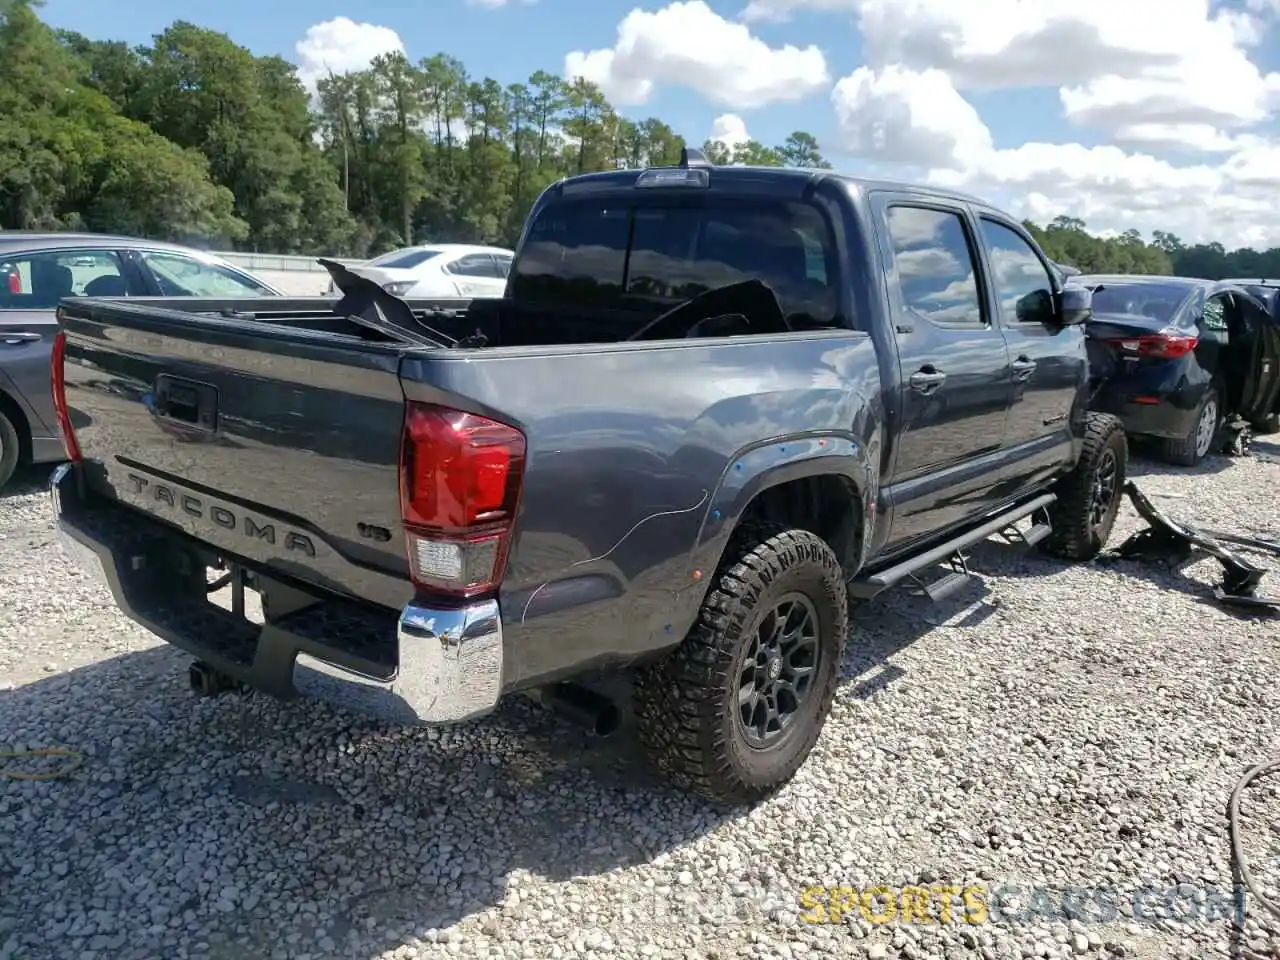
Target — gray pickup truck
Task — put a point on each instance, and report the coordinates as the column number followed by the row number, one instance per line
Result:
column 713, row 407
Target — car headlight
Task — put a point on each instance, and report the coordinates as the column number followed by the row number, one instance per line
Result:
column 398, row 288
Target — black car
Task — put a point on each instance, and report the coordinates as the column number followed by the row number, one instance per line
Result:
column 1173, row 357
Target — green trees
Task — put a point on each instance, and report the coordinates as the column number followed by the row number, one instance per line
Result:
column 193, row 138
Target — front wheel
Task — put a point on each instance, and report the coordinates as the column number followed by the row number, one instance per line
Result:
column 735, row 710
column 1089, row 496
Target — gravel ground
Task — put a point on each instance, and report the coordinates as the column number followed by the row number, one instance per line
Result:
column 1054, row 727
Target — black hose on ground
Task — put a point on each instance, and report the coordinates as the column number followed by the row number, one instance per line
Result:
column 1233, row 832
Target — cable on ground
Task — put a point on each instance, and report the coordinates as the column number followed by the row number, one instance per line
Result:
column 1233, row 831
column 74, row 762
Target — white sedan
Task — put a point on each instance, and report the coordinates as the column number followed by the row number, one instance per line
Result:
column 440, row 270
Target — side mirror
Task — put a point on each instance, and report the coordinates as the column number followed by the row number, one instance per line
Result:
column 1075, row 306
column 1035, row 307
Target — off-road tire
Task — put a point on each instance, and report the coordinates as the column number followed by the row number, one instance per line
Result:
column 1183, row 451
column 685, row 703
column 10, row 449
column 1075, row 535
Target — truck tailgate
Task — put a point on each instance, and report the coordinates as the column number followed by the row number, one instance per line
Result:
column 278, row 446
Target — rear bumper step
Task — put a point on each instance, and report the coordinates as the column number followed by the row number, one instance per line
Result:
column 428, row 665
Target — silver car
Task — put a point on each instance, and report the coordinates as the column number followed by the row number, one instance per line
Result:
column 36, row 271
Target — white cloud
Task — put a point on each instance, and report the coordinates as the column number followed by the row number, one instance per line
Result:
column 1121, row 64
column 341, row 46
column 1204, row 137
column 1246, row 28
column 1257, row 166
column 689, row 44
column 729, row 129
column 919, row 119
column 904, row 116
column 780, row 10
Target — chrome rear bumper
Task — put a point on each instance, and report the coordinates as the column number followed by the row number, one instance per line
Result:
column 446, row 665
column 449, row 669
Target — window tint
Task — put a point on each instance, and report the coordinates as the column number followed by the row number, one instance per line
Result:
column 1160, row 301
column 504, row 264
column 475, row 265
column 37, row 281
column 180, row 276
column 650, row 257
column 935, row 266
column 404, row 261
column 1023, row 286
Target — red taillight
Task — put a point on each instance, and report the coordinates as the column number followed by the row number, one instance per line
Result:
column 59, row 383
column 1157, row 346
column 460, row 477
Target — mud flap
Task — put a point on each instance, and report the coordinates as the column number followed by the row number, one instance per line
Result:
column 1182, row 544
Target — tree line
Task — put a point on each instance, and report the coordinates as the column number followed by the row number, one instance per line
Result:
column 196, row 139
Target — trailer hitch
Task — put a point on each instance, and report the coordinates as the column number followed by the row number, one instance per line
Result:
column 1183, row 543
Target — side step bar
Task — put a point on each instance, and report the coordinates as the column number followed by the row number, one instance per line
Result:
column 867, row 587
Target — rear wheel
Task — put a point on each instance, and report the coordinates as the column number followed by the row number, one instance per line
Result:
column 1195, row 446
column 1267, row 425
column 1089, row 496
column 9, row 449
column 735, row 710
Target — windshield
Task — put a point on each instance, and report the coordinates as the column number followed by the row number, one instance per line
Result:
column 402, row 260
column 1159, row 301
column 648, row 256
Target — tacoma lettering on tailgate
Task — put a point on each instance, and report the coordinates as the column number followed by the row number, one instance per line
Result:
column 247, row 526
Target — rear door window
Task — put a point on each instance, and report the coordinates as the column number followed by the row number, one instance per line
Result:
column 475, row 265
column 38, row 281
column 934, row 264
column 648, row 257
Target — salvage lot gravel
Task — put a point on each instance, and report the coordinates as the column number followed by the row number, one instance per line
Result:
column 1054, row 726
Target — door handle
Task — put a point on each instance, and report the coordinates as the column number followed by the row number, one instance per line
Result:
column 1023, row 367
column 15, row 337
column 927, row 380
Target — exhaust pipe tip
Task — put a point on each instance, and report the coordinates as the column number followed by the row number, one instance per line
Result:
column 582, row 706
column 608, row 720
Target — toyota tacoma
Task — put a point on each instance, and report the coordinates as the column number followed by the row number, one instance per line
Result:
column 713, row 407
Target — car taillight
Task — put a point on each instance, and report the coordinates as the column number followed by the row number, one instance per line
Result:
column 460, row 477
column 58, row 381
column 1158, row 346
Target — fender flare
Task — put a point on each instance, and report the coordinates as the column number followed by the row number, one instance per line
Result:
column 759, row 467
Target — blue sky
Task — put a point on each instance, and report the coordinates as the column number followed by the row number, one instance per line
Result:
column 512, row 42
column 1174, row 121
